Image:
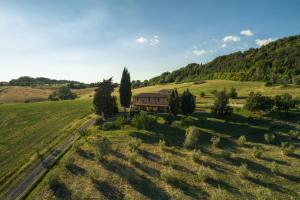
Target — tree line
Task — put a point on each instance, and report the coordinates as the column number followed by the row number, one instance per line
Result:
column 275, row 63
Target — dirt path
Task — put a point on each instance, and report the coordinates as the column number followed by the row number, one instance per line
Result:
column 41, row 168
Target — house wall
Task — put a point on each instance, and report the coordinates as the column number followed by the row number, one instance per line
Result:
column 151, row 100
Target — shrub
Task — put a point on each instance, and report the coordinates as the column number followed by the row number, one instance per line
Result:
column 226, row 154
column 134, row 144
column 99, row 121
column 143, row 121
column 203, row 173
column 284, row 102
column 191, row 137
column 202, row 94
column 220, row 105
column 162, row 145
column 294, row 134
column 287, row 148
column 120, row 121
column 274, row 168
column 269, row 137
column 196, row 155
column 257, row 152
column 232, row 93
column 169, row 119
column 63, row 93
column 258, row 102
column 103, row 148
column 53, row 181
column 132, row 156
column 242, row 140
column 215, row 141
column 268, row 83
column 187, row 121
column 243, row 171
column 109, row 126
column 167, row 175
column 296, row 80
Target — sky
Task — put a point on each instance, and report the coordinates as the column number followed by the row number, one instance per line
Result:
column 88, row 40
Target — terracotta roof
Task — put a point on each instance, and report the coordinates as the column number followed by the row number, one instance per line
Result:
column 154, row 94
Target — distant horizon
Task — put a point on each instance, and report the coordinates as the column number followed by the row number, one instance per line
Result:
column 87, row 41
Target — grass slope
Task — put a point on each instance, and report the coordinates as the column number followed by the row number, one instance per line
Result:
column 31, row 129
column 170, row 173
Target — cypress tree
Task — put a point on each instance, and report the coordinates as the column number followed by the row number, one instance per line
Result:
column 188, row 103
column 125, row 89
column 104, row 102
column 174, row 102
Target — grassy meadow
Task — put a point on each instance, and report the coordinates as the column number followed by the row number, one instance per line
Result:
column 170, row 171
column 31, row 129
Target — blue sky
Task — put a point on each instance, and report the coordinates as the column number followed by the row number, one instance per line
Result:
column 88, row 40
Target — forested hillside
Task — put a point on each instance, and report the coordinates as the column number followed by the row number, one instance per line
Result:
column 277, row 62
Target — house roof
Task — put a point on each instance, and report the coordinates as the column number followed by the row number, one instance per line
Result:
column 153, row 94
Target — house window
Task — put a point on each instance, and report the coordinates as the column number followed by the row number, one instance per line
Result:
column 149, row 99
column 157, row 99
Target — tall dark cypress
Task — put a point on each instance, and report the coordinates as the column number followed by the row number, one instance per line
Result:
column 125, row 89
column 174, row 102
column 188, row 103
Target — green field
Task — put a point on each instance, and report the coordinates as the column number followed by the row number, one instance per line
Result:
column 31, row 129
column 81, row 176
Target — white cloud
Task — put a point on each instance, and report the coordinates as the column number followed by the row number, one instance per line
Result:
column 247, row 32
column 231, row 38
column 199, row 52
column 263, row 42
column 141, row 40
column 154, row 41
column 224, row 45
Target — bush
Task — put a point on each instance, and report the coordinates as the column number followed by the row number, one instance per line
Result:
column 296, row 80
column 287, row 148
column 243, row 171
column 103, row 148
column 202, row 94
column 274, row 168
column 143, row 121
column 187, row 121
column 53, row 182
column 162, row 145
column 284, row 102
column 257, row 152
column 132, row 156
column 242, row 140
column 226, row 154
column 62, row 93
column 196, row 155
column 134, row 144
column 294, row 134
column 169, row 119
column 215, row 141
column 269, row 137
column 120, row 121
column 167, row 175
column 203, row 174
column 220, row 105
column 99, row 121
column 268, row 83
column 232, row 93
column 258, row 102
column 109, row 126
column 191, row 137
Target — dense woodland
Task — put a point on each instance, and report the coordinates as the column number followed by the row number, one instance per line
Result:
column 277, row 62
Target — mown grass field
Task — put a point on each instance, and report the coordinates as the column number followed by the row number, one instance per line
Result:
column 30, row 129
column 81, row 176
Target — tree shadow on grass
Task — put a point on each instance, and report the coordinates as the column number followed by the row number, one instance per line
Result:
column 188, row 189
column 61, row 191
column 148, row 170
column 253, row 166
column 118, row 155
column 272, row 186
column 212, row 166
column 75, row 169
column 86, row 154
column 139, row 182
column 275, row 160
column 219, row 183
column 107, row 190
column 148, row 155
column 293, row 178
column 148, row 138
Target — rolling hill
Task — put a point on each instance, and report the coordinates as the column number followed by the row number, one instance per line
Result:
column 277, row 62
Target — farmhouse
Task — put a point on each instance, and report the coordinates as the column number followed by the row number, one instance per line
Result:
column 158, row 101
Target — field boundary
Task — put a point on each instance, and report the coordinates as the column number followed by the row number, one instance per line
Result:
column 31, row 179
